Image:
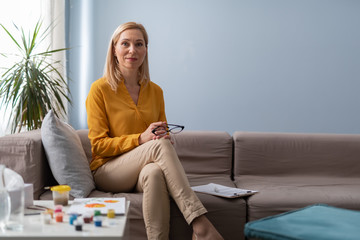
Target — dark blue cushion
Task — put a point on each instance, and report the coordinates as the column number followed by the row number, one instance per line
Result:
column 314, row 222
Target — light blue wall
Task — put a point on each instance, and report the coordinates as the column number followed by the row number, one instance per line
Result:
column 261, row 65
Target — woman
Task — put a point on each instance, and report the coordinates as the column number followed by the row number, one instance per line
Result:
column 123, row 109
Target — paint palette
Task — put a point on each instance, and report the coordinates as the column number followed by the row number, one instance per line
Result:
column 85, row 205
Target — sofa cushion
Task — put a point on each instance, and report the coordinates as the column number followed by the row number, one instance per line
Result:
column 278, row 194
column 66, row 156
column 204, row 152
column 274, row 154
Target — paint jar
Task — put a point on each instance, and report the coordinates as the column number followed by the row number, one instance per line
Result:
column 60, row 194
column 78, row 225
column 97, row 221
column 58, row 208
column 59, row 217
column 97, row 213
column 87, row 217
column 72, row 219
column 111, row 217
column 46, row 217
column 111, row 213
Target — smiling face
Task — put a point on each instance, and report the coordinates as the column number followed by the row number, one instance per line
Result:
column 130, row 50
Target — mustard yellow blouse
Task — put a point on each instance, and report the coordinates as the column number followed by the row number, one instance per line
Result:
column 115, row 122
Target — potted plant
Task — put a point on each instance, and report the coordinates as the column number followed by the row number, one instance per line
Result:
column 33, row 84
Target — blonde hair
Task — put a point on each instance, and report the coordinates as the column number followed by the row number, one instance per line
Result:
column 112, row 71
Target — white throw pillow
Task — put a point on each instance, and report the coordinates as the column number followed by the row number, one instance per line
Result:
column 66, row 156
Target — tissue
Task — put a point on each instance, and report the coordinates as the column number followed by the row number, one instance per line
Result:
column 14, row 183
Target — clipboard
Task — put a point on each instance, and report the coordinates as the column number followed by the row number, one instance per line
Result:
column 223, row 191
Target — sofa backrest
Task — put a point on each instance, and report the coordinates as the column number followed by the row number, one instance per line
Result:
column 335, row 155
column 204, row 152
column 24, row 153
column 200, row 152
column 83, row 134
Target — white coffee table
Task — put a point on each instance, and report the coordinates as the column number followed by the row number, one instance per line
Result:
column 35, row 229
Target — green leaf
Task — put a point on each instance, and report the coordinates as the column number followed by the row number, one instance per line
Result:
column 10, row 35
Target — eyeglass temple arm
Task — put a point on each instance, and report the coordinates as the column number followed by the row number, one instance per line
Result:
column 175, row 125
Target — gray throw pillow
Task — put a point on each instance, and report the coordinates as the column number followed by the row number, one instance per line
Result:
column 66, row 156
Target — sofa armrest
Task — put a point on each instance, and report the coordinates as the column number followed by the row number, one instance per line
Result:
column 24, row 153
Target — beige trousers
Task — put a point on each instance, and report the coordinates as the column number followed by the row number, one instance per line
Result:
column 154, row 169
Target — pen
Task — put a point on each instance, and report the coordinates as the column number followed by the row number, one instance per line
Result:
column 34, row 213
column 38, row 207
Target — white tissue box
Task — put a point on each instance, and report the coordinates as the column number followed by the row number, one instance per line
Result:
column 15, row 196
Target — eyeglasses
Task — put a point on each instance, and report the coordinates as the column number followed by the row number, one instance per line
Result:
column 170, row 128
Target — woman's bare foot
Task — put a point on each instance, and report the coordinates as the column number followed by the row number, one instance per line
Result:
column 204, row 230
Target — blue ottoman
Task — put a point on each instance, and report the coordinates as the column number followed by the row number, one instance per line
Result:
column 314, row 222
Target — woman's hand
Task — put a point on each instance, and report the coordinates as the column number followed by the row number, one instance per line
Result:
column 162, row 133
column 165, row 136
column 148, row 135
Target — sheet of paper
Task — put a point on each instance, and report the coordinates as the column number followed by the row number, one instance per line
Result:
column 85, row 205
column 223, row 191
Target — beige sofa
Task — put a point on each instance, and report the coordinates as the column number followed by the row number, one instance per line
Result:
column 206, row 157
column 289, row 171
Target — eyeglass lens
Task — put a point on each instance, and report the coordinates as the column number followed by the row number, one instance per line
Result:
column 175, row 129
